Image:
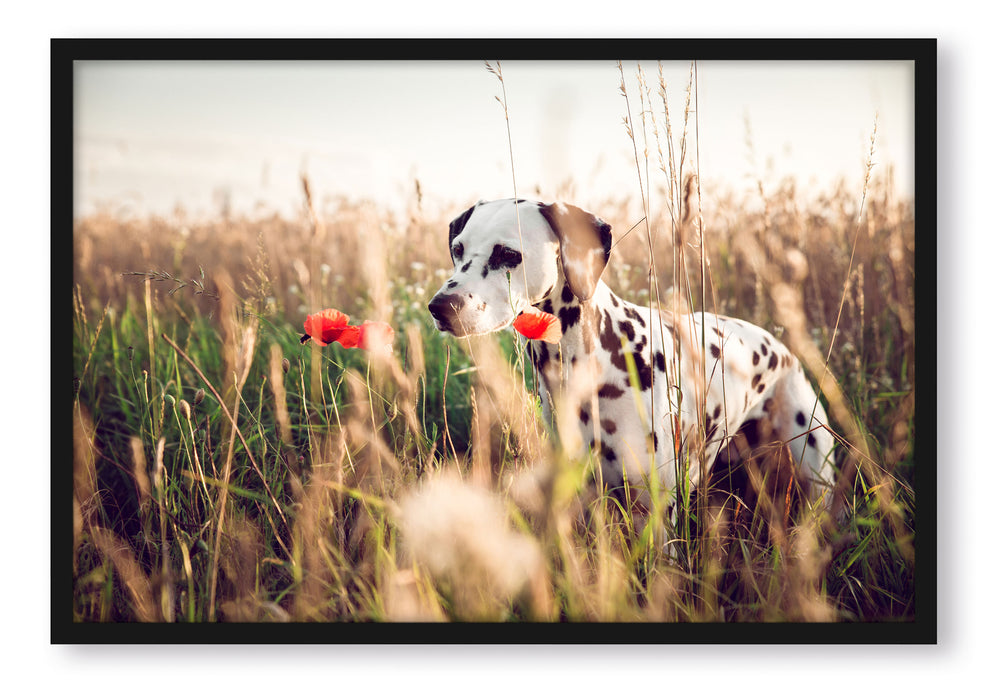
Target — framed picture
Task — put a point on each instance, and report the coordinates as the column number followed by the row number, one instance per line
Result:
column 493, row 341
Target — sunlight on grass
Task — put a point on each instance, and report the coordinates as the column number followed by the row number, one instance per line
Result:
column 222, row 470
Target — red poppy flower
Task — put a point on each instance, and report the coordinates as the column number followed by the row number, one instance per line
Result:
column 349, row 336
column 328, row 326
column 538, row 325
column 375, row 336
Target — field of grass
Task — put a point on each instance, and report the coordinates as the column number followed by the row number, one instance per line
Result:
column 223, row 471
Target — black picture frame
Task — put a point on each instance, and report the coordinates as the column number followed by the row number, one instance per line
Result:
column 921, row 51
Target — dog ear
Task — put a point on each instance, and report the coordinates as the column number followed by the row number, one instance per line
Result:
column 585, row 242
column 458, row 224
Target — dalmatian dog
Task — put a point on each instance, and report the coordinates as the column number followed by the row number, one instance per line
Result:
column 651, row 390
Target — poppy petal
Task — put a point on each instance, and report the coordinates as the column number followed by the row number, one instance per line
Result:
column 322, row 326
column 348, row 336
column 538, row 325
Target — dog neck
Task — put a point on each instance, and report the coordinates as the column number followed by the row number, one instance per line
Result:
column 604, row 322
column 579, row 322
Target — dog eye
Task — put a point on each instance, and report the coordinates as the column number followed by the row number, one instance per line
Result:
column 457, row 251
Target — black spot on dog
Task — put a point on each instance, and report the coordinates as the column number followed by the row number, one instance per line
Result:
column 467, row 265
column 503, row 257
column 542, row 355
column 717, row 411
column 609, row 391
column 608, row 454
column 716, row 353
column 751, row 431
column 451, row 284
column 608, row 425
column 811, row 441
column 756, row 358
column 619, row 362
column 756, row 380
column 800, row 418
column 604, row 320
column 566, row 295
column 627, row 329
column 773, row 361
column 659, row 362
column 583, row 414
column 763, row 349
column 710, row 427
column 633, row 315
column 568, row 317
column 760, row 388
column 644, row 371
column 609, row 340
column 656, row 442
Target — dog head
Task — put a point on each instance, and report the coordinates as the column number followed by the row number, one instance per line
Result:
column 509, row 254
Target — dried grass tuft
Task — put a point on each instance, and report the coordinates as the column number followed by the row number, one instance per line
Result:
column 459, row 532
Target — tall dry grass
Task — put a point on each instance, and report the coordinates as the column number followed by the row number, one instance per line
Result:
column 318, row 482
column 222, row 471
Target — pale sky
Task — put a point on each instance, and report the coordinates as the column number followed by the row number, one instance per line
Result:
column 154, row 134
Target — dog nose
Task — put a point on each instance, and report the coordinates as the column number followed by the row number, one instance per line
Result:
column 442, row 305
column 445, row 308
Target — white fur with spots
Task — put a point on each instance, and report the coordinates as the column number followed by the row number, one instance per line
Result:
column 692, row 375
